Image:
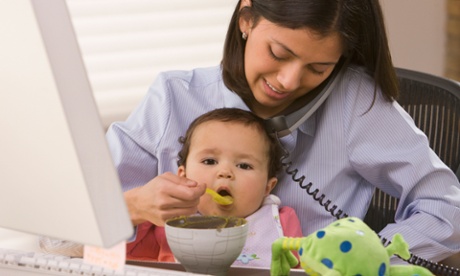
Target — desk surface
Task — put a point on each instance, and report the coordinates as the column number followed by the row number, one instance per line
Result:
column 18, row 240
column 27, row 242
column 234, row 271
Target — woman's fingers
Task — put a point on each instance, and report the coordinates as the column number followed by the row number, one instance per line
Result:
column 165, row 196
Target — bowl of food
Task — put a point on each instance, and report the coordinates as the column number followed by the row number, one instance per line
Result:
column 206, row 244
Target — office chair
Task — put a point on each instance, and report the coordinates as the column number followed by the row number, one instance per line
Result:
column 434, row 104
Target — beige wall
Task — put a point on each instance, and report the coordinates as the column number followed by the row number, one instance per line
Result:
column 416, row 31
column 453, row 40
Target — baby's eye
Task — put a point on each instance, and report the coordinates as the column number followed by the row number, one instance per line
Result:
column 244, row 166
column 209, row 161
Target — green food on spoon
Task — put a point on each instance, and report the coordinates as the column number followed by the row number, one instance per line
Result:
column 222, row 200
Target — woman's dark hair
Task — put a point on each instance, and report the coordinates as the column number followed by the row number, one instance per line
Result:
column 360, row 24
column 235, row 115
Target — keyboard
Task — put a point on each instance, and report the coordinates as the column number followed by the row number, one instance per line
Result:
column 20, row 263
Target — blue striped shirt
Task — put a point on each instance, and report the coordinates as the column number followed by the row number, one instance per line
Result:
column 345, row 149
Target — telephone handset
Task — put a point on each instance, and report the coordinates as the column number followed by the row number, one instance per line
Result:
column 284, row 124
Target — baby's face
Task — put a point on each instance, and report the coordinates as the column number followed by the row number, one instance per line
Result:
column 231, row 159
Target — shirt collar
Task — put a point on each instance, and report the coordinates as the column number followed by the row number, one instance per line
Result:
column 309, row 126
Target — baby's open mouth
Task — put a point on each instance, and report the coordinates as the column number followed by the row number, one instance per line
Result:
column 224, row 193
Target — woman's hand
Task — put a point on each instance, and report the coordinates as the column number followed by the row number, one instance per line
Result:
column 166, row 196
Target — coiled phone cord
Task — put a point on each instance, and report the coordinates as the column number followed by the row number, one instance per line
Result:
column 308, row 187
column 437, row 269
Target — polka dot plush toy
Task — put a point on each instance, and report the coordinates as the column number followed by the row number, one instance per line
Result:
column 347, row 247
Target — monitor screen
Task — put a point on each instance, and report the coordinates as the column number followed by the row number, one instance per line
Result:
column 57, row 176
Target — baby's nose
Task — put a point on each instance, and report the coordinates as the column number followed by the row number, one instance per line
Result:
column 225, row 174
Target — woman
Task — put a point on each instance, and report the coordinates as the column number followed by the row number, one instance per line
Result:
column 276, row 53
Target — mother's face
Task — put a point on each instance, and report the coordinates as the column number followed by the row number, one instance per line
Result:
column 283, row 64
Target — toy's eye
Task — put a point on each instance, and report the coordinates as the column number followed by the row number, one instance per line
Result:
column 300, row 251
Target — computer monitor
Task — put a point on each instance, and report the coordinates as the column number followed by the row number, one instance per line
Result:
column 57, row 176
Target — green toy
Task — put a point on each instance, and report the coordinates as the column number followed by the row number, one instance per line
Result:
column 347, row 247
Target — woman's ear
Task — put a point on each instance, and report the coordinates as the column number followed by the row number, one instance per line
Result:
column 245, row 3
column 245, row 21
column 181, row 171
column 270, row 185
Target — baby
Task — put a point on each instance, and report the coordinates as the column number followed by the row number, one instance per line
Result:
column 230, row 151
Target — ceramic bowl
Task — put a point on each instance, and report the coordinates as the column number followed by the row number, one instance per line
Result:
column 206, row 244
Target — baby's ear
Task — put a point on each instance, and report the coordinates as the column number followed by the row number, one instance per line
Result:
column 181, row 171
column 270, row 185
